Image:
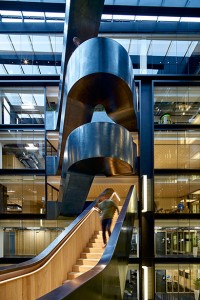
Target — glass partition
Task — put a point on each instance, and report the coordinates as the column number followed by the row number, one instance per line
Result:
column 29, row 237
column 176, row 281
column 22, row 105
column 177, row 104
column 177, row 194
column 22, row 194
column 177, row 149
column 52, row 193
column 177, row 238
column 22, row 149
column 132, row 282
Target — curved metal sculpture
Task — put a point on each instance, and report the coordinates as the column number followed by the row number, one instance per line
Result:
column 98, row 72
column 100, row 148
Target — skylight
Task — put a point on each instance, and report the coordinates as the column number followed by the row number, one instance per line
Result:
column 169, row 19
column 10, row 13
column 11, row 20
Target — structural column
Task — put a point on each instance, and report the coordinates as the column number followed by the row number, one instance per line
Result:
column 146, row 188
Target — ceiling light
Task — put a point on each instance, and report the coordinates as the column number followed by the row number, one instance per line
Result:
column 25, row 61
column 31, row 147
column 27, row 106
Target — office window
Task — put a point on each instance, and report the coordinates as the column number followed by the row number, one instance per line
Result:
column 177, row 149
column 22, row 194
column 22, row 149
column 177, row 194
column 174, row 279
column 176, row 104
column 177, row 238
column 22, row 105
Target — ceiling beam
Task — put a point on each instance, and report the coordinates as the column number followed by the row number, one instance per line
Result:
column 132, row 27
column 152, row 10
column 56, row 7
column 59, row 6
column 150, row 27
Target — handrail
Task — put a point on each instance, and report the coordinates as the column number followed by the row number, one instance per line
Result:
column 107, row 272
column 26, row 269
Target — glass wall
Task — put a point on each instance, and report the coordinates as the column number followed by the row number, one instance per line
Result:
column 29, row 237
column 177, row 149
column 177, row 237
column 22, row 194
column 177, row 104
column 52, row 193
column 131, row 290
column 22, row 149
column 176, row 281
column 177, row 193
column 22, row 105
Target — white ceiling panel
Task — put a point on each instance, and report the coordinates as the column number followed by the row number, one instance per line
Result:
column 47, row 69
column 58, row 69
column 39, row 98
column 13, row 98
column 13, row 69
column 138, row 47
column 5, row 44
column 21, row 43
column 158, row 48
column 2, row 70
column 27, row 99
column 57, row 43
column 30, row 69
column 178, row 48
column 124, row 42
column 41, row 43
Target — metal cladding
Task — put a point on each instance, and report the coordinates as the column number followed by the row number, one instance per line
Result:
column 100, row 148
column 98, row 140
column 105, row 77
column 98, row 72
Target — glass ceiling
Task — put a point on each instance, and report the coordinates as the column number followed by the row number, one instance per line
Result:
column 41, row 54
column 177, row 3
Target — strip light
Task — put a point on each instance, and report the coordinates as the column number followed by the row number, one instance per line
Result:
column 144, row 193
column 145, row 288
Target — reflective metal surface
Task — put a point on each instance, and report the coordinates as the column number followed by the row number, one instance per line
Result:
column 99, row 72
column 100, row 148
column 82, row 20
column 93, row 149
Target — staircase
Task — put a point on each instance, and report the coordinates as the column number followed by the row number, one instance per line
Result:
column 89, row 257
column 91, row 254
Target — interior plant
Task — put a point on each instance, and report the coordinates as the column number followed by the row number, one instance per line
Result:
column 196, row 288
column 197, row 283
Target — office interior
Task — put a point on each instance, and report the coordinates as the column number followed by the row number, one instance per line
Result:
column 161, row 38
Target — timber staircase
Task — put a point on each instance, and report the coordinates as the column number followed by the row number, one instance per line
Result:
column 89, row 257
column 91, row 253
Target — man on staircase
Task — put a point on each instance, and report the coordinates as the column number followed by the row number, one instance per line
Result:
column 107, row 208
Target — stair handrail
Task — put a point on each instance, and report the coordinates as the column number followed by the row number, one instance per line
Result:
column 90, row 280
column 7, row 272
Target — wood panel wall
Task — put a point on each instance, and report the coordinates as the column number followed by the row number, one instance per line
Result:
column 40, row 280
